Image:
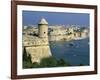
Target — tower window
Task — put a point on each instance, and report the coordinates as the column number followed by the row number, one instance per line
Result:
column 44, row 32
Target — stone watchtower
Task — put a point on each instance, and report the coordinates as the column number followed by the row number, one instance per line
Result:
column 43, row 28
column 38, row 47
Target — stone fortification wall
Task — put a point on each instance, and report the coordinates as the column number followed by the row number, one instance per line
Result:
column 38, row 48
column 34, row 41
column 38, row 52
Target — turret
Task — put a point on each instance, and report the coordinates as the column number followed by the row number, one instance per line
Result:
column 43, row 28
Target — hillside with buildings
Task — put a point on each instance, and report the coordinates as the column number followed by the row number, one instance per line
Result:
column 60, row 32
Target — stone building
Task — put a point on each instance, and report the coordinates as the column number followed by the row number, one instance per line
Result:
column 66, row 34
column 43, row 28
column 38, row 46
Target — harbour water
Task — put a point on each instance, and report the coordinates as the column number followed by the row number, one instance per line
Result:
column 75, row 52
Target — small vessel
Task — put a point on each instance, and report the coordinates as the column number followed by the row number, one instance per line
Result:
column 71, row 44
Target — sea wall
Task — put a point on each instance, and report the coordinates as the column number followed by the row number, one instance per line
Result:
column 38, row 48
column 38, row 52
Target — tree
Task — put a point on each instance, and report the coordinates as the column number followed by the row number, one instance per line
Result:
column 29, row 58
column 27, row 63
column 45, row 62
column 61, row 62
column 24, row 55
column 35, row 65
column 80, row 64
column 48, row 62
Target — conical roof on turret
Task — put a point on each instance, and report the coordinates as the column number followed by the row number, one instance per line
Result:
column 43, row 21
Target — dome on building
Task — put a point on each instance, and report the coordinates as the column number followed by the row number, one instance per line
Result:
column 43, row 21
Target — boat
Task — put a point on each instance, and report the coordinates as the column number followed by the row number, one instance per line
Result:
column 71, row 44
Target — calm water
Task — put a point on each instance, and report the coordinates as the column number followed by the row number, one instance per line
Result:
column 75, row 52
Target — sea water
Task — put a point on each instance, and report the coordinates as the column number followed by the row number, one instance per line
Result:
column 75, row 52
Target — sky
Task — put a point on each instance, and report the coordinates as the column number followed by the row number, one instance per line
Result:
column 55, row 18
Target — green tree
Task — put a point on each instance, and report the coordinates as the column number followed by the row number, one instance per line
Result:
column 45, row 62
column 48, row 62
column 24, row 55
column 80, row 64
column 61, row 62
column 27, row 63
column 35, row 65
column 29, row 58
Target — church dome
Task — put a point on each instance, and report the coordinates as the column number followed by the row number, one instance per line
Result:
column 43, row 21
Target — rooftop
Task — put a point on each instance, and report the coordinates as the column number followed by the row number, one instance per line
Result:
column 43, row 21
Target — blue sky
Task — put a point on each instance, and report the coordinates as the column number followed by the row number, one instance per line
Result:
column 55, row 18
